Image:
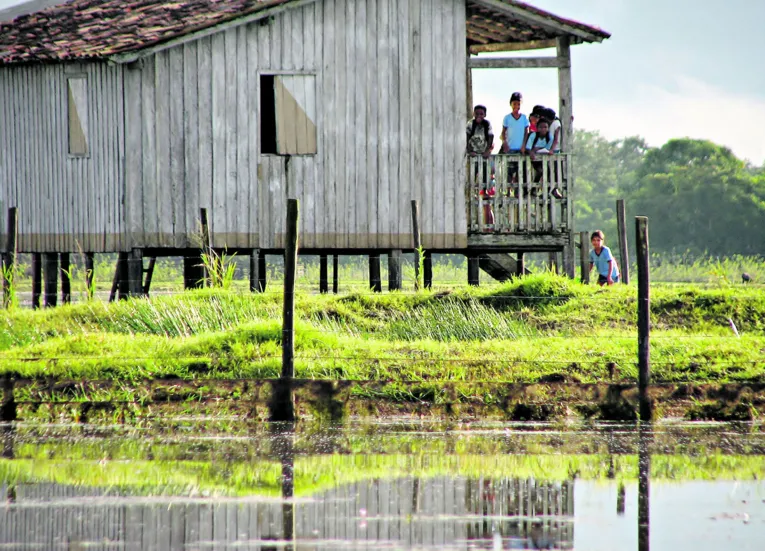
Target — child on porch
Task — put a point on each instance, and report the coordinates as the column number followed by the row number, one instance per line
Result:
column 601, row 257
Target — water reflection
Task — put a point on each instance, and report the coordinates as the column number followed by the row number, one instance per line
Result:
column 343, row 500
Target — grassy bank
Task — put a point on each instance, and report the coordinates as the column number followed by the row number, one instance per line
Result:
column 539, row 328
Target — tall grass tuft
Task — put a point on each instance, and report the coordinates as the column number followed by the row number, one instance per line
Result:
column 455, row 320
column 180, row 317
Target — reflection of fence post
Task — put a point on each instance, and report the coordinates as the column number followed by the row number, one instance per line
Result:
column 624, row 257
column 644, row 487
column 644, row 316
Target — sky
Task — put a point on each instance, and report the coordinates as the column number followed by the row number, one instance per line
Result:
column 672, row 68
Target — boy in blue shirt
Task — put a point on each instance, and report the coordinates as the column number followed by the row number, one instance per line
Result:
column 515, row 128
column 601, row 256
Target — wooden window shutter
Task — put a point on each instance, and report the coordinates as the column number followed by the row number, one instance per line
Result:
column 295, row 97
column 77, row 91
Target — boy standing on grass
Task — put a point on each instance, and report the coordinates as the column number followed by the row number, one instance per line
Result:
column 600, row 256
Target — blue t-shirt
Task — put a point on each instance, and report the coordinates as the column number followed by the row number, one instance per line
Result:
column 516, row 128
column 600, row 261
column 542, row 143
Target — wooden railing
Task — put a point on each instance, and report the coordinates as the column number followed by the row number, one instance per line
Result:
column 513, row 194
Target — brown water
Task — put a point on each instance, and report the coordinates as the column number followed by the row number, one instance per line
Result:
column 190, row 484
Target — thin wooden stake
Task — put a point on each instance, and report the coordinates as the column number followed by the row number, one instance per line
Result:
column 584, row 258
column 644, row 316
column 416, row 238
column 624, row 256
column 9, row 258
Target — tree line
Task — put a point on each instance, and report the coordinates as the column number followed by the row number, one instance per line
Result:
column 699, row 197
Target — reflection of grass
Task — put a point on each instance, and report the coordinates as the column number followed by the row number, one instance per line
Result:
column 315, row 474
column 538, row 326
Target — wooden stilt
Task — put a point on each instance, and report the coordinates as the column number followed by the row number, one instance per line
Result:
column 375, row 282
column 474, row 277
column 66, row 280
column 135, row 273
column 335, row 273
column 193, row 271
column 37, row 268
column 417, row 242
column 115, row 281
column 206, row 247
column 123, row 277
column 90, row 275
column 520, row 265
column 427, row 268
column 394, row 270
column 262, row 272
column 9, row 257
column 323, row 279
column 50, row 279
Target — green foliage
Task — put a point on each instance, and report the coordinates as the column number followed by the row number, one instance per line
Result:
column 698, row 196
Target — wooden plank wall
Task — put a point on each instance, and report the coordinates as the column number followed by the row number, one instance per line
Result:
column 390, row 88
column 65, row 203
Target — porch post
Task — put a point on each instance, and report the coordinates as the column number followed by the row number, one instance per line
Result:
column 468, row 85
column 565, row 112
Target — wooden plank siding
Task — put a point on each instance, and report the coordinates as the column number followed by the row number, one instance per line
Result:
column 66, row 203
column 179, row 130
column 388, row 129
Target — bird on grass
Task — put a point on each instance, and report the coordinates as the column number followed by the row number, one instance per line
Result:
column 746, row 278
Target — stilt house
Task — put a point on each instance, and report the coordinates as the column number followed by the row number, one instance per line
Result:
column 121, row 119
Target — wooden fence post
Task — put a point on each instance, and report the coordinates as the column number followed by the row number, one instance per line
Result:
column 66, row 280
column 9, row 258
column 624, row 256
column 644, row 316
column 416, row 238
column 323, row 279
column 282, row 406
column 584, row 257
column 36, row 279
column 90, row 275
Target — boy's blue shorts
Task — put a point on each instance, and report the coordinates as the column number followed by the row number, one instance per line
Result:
column 603, row 279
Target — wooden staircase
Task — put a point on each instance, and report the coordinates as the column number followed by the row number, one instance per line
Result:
column 500, row 266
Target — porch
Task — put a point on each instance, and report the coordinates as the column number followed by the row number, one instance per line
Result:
column 516, row 203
